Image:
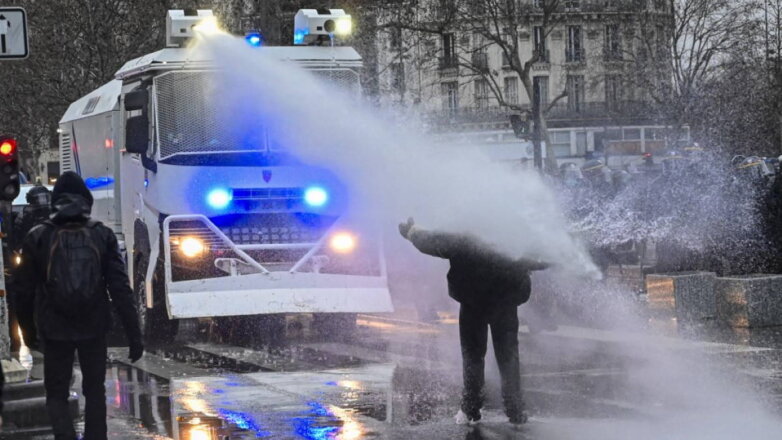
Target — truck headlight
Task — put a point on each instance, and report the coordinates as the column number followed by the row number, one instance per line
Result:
column 343, row 242
column 316, row 196
column 192, row 247
column 219, row 198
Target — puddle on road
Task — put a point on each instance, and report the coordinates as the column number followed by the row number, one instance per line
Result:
column 347, row 403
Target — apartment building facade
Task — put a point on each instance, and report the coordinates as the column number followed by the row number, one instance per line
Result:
column 588, row 73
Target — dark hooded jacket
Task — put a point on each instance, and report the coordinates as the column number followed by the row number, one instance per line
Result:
column 72, row 203
column 478, row 274
column 32, row 214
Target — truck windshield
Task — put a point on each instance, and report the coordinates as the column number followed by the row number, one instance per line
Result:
column 192, row 118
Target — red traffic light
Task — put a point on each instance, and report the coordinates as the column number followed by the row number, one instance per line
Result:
column 7, row 147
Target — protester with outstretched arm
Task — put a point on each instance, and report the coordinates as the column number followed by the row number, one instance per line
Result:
column 489, row 287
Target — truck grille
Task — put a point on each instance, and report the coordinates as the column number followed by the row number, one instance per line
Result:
column 268, row 194
column 269, row 199
column 271, row 235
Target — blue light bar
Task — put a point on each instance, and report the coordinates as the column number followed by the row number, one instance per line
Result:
column 98, row 182
column 299, row 34
column 316, row 196
column 254, row 39
column 219, row 198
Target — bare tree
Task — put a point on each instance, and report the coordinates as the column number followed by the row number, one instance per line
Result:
column 677, row 55
column 75, row 47
column 488, row 24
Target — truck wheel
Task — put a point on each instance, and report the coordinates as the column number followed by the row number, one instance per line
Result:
column 334, row 325
column 156, row 328
column 251, row 330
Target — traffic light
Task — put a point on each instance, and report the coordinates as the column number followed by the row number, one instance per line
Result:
column 9, row 169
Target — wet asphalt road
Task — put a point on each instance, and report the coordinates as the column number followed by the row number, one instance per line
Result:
column 401, row 380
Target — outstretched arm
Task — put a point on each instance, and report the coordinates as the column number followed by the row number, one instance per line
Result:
column 434, row 243
column 530, row 264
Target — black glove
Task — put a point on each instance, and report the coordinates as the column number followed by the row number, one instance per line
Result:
column 136, row 351
column 404, row 228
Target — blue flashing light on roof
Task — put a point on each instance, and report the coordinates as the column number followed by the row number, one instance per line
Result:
column 219, row 198
column 254, row 39
column 299, row 35
column 98, row 182
column 316, row 196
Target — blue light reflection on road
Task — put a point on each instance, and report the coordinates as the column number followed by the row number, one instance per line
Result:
column 243, row 421
column 311, row 425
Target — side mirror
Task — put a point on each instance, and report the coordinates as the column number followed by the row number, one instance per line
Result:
column 137, row 134
column 136, row 100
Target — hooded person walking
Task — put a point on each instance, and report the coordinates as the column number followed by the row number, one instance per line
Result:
column 70, row 274
column 489, row 287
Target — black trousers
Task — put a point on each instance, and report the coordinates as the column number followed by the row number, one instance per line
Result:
column 58, row 370
column 474, row 323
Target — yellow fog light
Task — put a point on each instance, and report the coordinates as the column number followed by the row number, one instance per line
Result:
column 201, row 432
column 17, row 259
column 192, row 247
column 343, row 243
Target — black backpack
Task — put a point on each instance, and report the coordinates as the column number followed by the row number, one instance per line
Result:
column 74, row 276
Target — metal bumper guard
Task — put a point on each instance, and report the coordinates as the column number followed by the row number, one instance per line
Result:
column 270, row 292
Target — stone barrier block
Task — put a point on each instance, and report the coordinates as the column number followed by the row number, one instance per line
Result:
column 689, row 296
column 750, row 300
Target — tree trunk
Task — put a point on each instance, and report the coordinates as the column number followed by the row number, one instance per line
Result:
column 551, row 158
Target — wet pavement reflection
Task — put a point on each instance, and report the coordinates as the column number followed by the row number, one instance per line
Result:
column 392, row 384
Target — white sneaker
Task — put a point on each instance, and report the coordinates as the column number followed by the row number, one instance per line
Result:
column 462, row 419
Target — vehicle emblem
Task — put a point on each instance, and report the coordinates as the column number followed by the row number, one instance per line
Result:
column 267, row 176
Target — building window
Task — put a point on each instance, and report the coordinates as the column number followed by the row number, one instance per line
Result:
column 397, row 76
column 632, row 134
column 574, row 52
column 481, row 93
column 505, row 60
column 613, row 86
column 539, row 3
column 560, row 142
column 540, row 89
column 572, row 4
column 539, row 41
column 511, row 90
column 662, row 39
column 450, row 94
column 613, row 42
column 395, row 42
column 449, row 51
column 479, row 42
column 654, row 134
column 575, row 92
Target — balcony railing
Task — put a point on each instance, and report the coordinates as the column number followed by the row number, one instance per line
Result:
column 593, row 111
column 446, row 63
column 611, row 5
column 543, row 55
column 601, row 110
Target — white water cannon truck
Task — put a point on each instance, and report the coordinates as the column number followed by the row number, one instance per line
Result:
column 221, row 229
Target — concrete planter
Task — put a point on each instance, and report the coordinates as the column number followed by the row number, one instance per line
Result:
column 750, row 300
column 689, row 296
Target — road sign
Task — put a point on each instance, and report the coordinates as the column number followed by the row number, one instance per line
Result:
column 13, row 33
